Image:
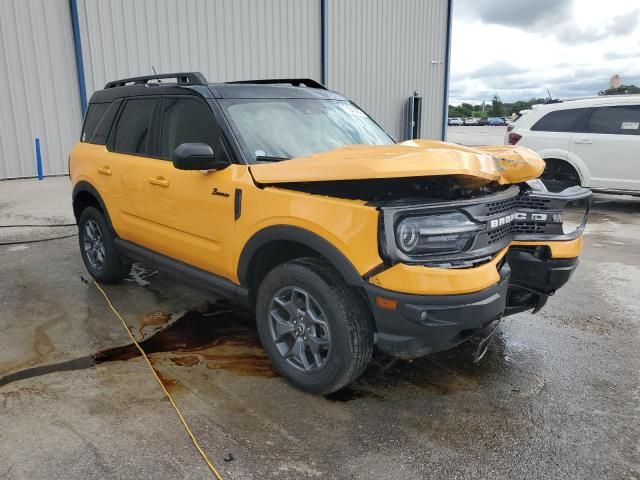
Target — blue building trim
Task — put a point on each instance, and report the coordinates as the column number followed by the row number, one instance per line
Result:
column 75, row 25
column 323, row 42
column 447, row 61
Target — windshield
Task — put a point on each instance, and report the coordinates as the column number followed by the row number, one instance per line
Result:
column 279, row 129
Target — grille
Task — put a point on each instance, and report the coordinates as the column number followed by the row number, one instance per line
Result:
column 501, row 206
column 528, row 227
column 525, row 201
column 499, row 234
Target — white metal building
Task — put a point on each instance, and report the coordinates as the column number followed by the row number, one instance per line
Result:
column 55, row 53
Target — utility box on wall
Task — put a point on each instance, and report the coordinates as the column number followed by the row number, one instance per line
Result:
column 414, row 117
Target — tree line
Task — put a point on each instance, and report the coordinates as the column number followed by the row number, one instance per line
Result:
column 498, row 108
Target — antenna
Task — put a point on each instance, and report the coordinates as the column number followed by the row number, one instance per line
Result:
column 549, row 93
column 155, row 73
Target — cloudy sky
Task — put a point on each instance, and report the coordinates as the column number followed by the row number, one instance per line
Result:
column 519, row 48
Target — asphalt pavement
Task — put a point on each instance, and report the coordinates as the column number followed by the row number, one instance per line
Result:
column 556, row 397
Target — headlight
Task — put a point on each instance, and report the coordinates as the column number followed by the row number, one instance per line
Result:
column 435, row 234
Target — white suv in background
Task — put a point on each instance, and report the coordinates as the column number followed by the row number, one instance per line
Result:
column 592, row 142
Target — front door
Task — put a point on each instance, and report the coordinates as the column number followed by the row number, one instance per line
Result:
column 191, row 213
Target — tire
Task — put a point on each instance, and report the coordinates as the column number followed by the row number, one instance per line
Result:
column 348, row 337
column 98, row 250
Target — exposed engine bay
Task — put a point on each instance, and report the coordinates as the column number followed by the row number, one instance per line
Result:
column 396, row 191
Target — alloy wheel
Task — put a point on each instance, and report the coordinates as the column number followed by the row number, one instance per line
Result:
column 299, row 329
column 93, row 244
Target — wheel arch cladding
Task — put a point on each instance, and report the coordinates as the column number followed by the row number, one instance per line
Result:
column 85, row 195
column 309, row 243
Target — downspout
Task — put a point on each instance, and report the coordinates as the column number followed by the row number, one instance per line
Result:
column 75, row 25
column 447, row 61
column 323, row 42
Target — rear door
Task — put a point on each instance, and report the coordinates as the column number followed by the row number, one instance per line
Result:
column 552, row 132
column 191, row 213
column 610, row 147
column 130, row 151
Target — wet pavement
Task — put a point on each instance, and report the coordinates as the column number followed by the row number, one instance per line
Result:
column 557, row 396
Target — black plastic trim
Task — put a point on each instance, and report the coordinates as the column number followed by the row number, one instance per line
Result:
column 192, row 275
column 300, row 235
column 84, row 186
column 237, row 204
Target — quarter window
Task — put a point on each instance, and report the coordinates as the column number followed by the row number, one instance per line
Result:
column 95, row 112
column 186, row 120
column 560, row 120
column 619, row 120
column 132, row 132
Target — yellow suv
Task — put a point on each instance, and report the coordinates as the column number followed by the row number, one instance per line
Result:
column 289, row 199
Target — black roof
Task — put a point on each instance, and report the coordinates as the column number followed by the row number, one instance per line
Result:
column 194, row 83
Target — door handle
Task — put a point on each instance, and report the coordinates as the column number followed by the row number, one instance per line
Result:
column 106, row 170
column 582, row 141
column 160, row 181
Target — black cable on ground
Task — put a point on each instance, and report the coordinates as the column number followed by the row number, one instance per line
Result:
column 37, row 241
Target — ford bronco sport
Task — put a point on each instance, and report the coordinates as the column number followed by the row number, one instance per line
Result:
column 289, row 199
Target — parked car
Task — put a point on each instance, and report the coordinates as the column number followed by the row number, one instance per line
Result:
column 339, row 242
column 482, row 122
column 497, row 121
column 591, row 142
column 470, row 121
column 455, row 121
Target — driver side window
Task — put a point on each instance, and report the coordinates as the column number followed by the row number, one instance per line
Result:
column 186, row 120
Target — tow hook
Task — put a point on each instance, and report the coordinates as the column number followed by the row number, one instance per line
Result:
column 484, row 344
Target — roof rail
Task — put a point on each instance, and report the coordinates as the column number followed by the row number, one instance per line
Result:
column 296, row 82
column 184, row 78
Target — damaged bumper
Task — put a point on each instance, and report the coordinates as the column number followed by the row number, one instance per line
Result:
column 422, row 309
column 421, row 324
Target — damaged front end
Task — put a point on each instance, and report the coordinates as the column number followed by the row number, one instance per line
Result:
column 466, row 236
column 510, row 224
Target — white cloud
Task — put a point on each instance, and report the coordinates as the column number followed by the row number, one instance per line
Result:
column 518, row 49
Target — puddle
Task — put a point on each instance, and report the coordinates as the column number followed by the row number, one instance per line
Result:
column 442, row 373
column 220, row 336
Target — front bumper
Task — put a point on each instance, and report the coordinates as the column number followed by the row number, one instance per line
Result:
column 423, row 324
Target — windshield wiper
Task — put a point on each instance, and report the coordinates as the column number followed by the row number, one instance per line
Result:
column 267, row 158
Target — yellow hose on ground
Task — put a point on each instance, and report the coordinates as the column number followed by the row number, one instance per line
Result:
column 166, row 392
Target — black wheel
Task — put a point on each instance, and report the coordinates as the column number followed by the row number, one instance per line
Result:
column 316, row 330
column 559, row 175
column 99, row 253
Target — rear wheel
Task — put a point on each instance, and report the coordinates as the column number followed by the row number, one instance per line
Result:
column 316, row 330
column 98, row 249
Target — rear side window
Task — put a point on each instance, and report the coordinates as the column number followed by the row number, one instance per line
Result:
column 560, row 120
column 619, row 120
column 186, row 120
column 134, row 127
column 104, row 127
column 95, row 112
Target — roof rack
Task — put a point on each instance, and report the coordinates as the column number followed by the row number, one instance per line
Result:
column 184, row 78
column 296, row 82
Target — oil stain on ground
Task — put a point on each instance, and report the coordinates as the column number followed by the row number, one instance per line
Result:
column 219, row 335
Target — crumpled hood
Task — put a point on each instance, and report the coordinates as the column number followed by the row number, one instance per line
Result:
column 472, row 167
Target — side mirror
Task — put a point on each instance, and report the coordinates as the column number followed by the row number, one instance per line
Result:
column 196, row 156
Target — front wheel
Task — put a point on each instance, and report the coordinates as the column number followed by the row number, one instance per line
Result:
column 314, row 327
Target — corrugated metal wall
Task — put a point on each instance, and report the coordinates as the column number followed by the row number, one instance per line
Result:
column 381, row 51
column 38, row 88
column 224, row 39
